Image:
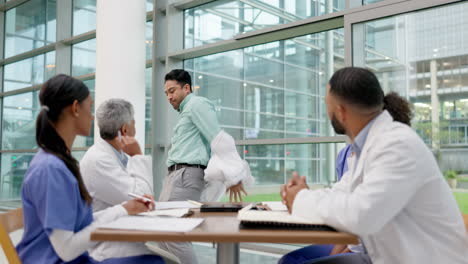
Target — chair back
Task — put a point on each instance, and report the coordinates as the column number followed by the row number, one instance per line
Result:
column 465, row 218
column 9, row 222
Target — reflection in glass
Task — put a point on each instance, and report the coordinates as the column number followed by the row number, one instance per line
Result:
column 29, row 26
column 12, row 170
column 424, row 57
column 272, row 165
column 84, row 16
column 273, row 90
column 149, row 40
column 224, row 19
column 29, row 72
column 84, row 58
column 148, row 93
column 18, row 123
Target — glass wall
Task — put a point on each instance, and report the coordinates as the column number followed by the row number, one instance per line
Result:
column 29, row 26
column 424, row 57
column 28, row 72
column 224, row 19
column 275, row 90
column 84, row 16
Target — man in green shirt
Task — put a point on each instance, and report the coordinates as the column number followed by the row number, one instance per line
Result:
column 190, row 151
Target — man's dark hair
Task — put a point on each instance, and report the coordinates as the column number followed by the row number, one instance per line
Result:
column 357, row 86
column 398, row 107
column 180, row 76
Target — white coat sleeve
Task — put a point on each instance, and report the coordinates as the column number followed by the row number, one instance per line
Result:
column 387, row 187
column 225, row 164
column 112, row 184
column 69, row 245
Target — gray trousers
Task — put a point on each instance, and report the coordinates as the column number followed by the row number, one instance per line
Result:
column 181, row 185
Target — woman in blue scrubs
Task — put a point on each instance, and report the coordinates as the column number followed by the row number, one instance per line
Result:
column 399, row 108
column 58, row 218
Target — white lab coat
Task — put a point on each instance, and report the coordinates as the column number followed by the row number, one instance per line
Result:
column 395, row 199
column 225, row 168
column 108, row 181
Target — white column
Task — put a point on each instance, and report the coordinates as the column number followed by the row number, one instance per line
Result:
column 120, row 56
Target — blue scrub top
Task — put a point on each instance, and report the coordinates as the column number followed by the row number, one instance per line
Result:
column 341, row 164
column 51, row 200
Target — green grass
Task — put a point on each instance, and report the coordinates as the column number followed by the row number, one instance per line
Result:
column 258, row 197
column 462, row 199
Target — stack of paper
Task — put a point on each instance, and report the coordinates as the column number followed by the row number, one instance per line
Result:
column 154, row 224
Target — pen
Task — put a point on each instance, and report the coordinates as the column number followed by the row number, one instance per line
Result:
column 195, row 203
column 146, row 200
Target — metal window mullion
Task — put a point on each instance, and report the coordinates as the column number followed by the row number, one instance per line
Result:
column 63, row 51
column 11, row 4
column 242, row 42
column 288, row 141
column 2, row 42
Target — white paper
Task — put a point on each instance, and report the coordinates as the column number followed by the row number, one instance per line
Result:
column 276, row 206
column 168, row 212
column 167, row 224
column 175, row 205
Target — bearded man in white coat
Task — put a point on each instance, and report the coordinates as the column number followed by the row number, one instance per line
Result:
column 393, row 196
column 115, row 166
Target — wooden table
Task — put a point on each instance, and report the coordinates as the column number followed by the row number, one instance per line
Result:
column 223, row 229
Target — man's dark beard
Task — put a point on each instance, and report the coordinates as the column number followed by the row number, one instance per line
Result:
column 339, row 129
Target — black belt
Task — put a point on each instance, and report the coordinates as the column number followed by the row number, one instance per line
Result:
column 184, row 165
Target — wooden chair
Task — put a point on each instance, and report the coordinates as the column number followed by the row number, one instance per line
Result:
column 9, row 222
column 465, row 218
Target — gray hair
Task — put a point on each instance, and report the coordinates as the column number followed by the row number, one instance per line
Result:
column 111, row 115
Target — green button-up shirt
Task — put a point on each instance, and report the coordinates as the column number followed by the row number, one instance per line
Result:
column 196, row 128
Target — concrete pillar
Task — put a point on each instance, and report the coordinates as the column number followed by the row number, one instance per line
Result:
column 434, row 107
column 120, row 56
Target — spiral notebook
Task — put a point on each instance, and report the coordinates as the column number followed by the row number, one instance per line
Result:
column 256, row 219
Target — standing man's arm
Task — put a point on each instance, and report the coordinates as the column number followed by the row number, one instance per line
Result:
column 205, row 119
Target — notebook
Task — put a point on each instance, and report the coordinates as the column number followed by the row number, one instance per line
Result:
column 278, row 220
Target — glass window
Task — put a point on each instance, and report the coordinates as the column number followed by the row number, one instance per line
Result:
column 424, row 57
column 275, row 90
column 148, row 93
column 29, row 72
column 84, row 58
column 272, row 165
column 149, row 40
column 366, row 2
column 19, row 121
column 221, row 20
column 12, row 170
column 29, row 26
column 84, row 16
column 149, row 5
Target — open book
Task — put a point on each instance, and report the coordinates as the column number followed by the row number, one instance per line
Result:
column 277, row 220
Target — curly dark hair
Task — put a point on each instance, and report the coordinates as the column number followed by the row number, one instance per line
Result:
column 398, row 107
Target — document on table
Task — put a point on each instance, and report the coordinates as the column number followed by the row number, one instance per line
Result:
column 175, row 205
column 168, row 212
column 276, row 206
column 154, row 224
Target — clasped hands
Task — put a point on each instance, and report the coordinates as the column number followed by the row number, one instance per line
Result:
column 289, row 191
